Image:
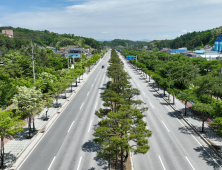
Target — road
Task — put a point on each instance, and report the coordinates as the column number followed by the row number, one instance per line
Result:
column 172, row 146
column 67, row 144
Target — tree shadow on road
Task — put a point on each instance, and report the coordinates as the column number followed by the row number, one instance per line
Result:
column 91, row 146
column 205, row 153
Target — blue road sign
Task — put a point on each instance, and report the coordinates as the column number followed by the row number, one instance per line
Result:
column 130, row 57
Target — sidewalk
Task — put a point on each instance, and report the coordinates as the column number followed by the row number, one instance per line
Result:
column 209, row 136
column 18, row 147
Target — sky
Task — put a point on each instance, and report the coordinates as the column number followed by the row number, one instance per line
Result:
column 112, row 19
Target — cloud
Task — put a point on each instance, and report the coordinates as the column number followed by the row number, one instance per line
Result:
column 134, row 19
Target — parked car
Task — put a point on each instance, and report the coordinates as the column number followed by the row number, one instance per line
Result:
column 102, row 66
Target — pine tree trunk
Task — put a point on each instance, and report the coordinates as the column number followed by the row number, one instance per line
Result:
column 116, row 166
column 122, row 159
column 2, row 153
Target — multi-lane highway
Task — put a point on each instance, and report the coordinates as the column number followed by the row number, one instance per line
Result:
column 67, row 145
column 173, row 146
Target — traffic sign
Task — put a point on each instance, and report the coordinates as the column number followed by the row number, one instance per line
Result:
column 130, row 57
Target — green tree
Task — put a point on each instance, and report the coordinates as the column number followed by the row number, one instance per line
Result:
column 27, row 103
column 205, row 110
column 186, row 96
column 9, row 125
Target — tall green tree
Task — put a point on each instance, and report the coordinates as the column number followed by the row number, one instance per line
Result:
column 186, row 96
column 28, row 103
column 9, row 125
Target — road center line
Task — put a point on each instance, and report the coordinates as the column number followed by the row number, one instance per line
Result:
column 162, row 163
column 165, row 126
column 70, row 126
column 90, row 125
column 79, row 163
column 81, row 105
column 51, row 163
column 189, row 163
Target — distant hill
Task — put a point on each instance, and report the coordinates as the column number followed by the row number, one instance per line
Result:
column 47, row 38
column 120, row 43
column 190, row 40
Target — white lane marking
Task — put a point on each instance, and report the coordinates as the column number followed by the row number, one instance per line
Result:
column 162, row 163
column 87, row 93
column 144, row 94
column 96, row 105
column 81, row 105
column 196, row 140
column 70, row 126
column 92, row 85
column 51, row 163
column 189, row 163
column 90, row 125
column 79, row 163
column 151, row 105
column 165, row 126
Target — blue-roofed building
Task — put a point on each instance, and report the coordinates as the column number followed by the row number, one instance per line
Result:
column 75, row 52
column 176, row 51
column 199, row 51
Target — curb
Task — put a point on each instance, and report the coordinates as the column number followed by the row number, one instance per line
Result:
column 195, row 130
column 60, row 110
column 180, row 116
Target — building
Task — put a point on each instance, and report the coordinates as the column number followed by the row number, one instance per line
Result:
column 210, row 55
column 177, row 51
column 9, row 33
column 218, row 44
column 76, row 52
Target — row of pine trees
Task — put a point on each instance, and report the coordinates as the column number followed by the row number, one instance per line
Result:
column 121, row 128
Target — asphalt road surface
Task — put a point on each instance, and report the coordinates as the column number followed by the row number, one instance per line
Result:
column 67, row 145
column 173, row 146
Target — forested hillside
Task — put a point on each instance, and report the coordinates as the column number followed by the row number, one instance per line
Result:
column 190, row 40
column 119, row 43
column 46, row 38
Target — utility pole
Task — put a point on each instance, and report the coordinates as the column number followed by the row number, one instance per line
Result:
column 33, row 64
